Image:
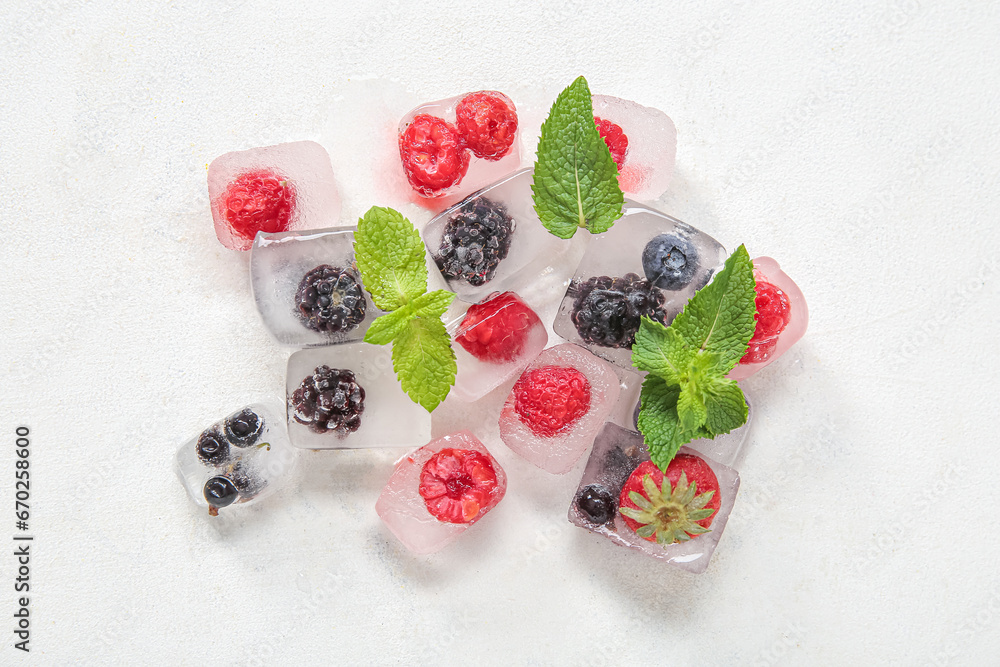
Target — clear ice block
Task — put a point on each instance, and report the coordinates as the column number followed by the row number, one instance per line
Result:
column 767, row 270
column 648, row 263
column 323, row 415
column 481, row 171
column 272, row 189
column 558, row 452
column 236, row 460
column 287, row 277
column 509, row 246
column 652, row 145
column 462, row 489
column 494, row 340
column 616, row 453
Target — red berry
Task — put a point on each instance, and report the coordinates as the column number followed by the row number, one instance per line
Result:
column 458, row 485
column 433, row 154
column 258, row 201
column 670, row 516
column 773, row 315
column 550, row 399
column 496, row 330
column 487, row 120
column 615, row 139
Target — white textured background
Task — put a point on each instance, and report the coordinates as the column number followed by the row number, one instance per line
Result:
column 857, row 143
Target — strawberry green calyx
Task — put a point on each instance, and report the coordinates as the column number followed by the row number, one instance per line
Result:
column 669, row 515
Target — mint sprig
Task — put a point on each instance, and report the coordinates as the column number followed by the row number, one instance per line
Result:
column 686, row 395
column 576, row 180
column 390, row 257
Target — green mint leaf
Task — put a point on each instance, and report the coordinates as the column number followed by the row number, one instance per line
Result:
column 390, row 256
column 433, row 304
column 575, row 181
column 659, row 350
column 659, row 422
column 726, row 406
column 386, row 327
column 691, row 409
column 424, row 361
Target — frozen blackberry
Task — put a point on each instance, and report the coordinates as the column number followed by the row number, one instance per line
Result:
column 476, row 239
column 607, row 311
column 244, row 428
column 212, row 448
column 597, row 504
column 246, row 481
column 329, row 400
column 220, row 492
column 330, row 300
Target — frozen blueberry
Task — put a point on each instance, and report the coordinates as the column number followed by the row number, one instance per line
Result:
column 220, row 492
column 244, row 428
column 597, row 504
column 212, row 448
column 670, row 261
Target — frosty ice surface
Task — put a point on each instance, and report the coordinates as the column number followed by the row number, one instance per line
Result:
column 616, row 453
column 556, row 452
column 347, row 397
column 436, row 492
column 239, row 459
column 272, row 189
column 648, row 264
column 494, row 340
column 652, row 145
column 307, row 287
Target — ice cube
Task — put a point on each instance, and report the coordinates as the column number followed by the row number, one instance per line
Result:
column 271, row 189
column 557, row 407
column 493, row 241
column 347, row 397
column 436, row 492
column 236, row 460
column 472, row 140
column 494, row 340
column 616, row 454
column 308, row 289
column 649, row 160
column 782, row 318
column 648, row 263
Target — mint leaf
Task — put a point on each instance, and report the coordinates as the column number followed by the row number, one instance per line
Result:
column 386, row 327
column 726, row 407
column 659, row 350
column 390, row 256
column 575, row 180
column 659, row 423
column 424, row 361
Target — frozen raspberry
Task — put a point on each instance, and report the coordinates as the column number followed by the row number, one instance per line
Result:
column 550, row 399
column 329, row 400
column 258, row 201
column 607, row 311
column 773, row 315
column 496, row 330
column 434, row 155
column 459, row 485
column 329, row 299
column 476, row 239
column 487, row 122
column 615, row 139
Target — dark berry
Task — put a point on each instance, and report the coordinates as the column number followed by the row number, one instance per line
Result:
column 330, row 300
column 615, row 138
column 476, row 239
column 597, row 504
column 244, row 428
column 246, row 481
column 220, row 492
column 670, row 261
column 607, row 311
column 329, row 400
column 212, row 448
column 434, row 155
column 487, row 122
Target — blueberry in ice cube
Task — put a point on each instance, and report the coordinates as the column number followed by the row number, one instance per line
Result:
column 220, row 492
column 212, row 448
column 597, row 504
column 244, row 428
column 670, row 261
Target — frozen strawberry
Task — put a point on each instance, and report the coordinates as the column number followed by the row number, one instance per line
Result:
column 773, row 315
column 674, row 506
column 615, row 138
column 550, row 399
column 459, row 485
column 496, row 330
column 434, row 155
column 258, row 201
column 487, row 121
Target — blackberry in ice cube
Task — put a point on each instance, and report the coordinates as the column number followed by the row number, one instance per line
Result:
column 244, row 428
column 330, row 299
column 476, row 239
column 212, row 448
column 597, row 504
column 329, row 400
column 607, row 311
column 670, row 261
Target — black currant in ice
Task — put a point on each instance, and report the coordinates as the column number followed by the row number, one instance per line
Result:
column 670, row 261
column 329, row 400
column 220, row 492
column 597, row 504
column 607, row 311
column 212, row 448
column 244, row 428
column 330, row 299
column 476, row 239
column 246, row 481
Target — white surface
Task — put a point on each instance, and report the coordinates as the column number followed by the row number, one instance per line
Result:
column 856, row 143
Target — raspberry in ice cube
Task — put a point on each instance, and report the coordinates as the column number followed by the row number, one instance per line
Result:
column 643, row 143
column 557, row 406
column 271, row 189
column 436, row 492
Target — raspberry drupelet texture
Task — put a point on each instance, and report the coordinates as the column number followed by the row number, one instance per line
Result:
column 258, row 201
column 458, row 484
column 615, row 138
column 495, row 331
column 433, row 154
column 774, row 312
column 487, row 121
column 550, row 399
